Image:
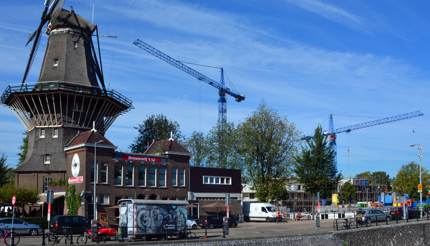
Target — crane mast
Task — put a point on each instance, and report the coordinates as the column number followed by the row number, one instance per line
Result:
column 222, row 89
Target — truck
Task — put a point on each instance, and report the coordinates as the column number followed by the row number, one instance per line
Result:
column 152, row 218
column 259, row 211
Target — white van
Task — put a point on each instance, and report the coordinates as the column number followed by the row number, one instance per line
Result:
column 259, row 211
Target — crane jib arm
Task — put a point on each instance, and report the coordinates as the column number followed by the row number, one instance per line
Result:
column 379, row 121
column 181, row 66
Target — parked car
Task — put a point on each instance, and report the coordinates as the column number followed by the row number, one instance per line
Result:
column 70, row 224
column 20, row 227
column 191, row 224
column 105, row 232
column 397, row 213
column 215, row 221
column 371, row 215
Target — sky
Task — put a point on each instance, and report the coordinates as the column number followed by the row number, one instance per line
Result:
column 305, row 59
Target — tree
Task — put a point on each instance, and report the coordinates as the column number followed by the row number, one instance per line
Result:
column 381, row 178
column 407, row 179
column 347, row 193
column 5, row 171
column 222, row 142
column 73, row 200
column 23, row 148
column 198, row 147
column 23, row 196
column 267, row 145
column 155, row 127
column 315, row 166
column 375, row 178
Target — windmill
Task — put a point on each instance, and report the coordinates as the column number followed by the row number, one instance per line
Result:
column 69, row 96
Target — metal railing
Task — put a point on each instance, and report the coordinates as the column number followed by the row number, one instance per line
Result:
column 63, row 86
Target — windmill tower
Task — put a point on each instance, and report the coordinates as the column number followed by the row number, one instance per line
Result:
column 68, row 97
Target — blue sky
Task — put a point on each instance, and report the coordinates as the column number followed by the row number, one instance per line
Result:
column 360, row 60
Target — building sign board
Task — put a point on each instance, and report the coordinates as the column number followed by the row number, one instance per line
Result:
column 76, row 180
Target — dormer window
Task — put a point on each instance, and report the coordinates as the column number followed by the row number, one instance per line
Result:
column 56, row 62
column 47, row 159
column 55, row 133
column 42, row 133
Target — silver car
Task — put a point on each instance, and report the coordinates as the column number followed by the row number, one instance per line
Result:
column 20, row 227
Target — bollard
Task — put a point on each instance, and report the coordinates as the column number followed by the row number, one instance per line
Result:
column 206, row 228
column 376, row 221
column 386, row 220
column 43, row 237
column 397, row 220
column 337, row 228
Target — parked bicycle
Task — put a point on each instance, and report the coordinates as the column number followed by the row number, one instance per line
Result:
column 6, row 237
column 57, row 238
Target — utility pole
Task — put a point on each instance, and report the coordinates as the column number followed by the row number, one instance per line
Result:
column 420, row 185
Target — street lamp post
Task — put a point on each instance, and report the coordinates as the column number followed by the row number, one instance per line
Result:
column 420, row 157
column 95, row 180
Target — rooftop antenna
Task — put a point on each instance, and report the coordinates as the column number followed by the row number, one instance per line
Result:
column 171, row 136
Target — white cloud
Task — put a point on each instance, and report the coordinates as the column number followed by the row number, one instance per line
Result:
column 330, row 12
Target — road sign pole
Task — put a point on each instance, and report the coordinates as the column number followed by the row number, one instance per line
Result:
column 13, row 220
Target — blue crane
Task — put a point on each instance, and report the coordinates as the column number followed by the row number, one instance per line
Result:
column 222, row 89
column 331, row 133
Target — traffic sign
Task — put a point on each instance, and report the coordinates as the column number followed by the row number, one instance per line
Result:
column 13, row 200
column 420, row 187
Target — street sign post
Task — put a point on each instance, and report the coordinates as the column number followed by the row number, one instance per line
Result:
column 13, row 220
column 420, row 188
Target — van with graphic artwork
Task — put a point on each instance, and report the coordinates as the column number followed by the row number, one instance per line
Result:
column 152, row 218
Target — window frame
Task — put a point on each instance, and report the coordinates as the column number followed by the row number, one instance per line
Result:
column 174, row 177
column 184, row 177
column 165, row 177
column 46, row 159
column 216, row 180
column 54, row 132
column 121, row 175
column 154, row 175
column 144, row 176
column 106, row 174
column 42, row 133
column 132, row 174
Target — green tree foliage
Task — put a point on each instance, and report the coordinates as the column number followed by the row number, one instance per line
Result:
column 315, row 166
column 23, row 148
column 375, row 178
column 267, row 146
column 23, row 196
column 222, row 142
column 5, row 171
column 73, row 200
column 347, row 193
column 407, row 179
column 155, row 127
column 198, row 147
column 272, row 190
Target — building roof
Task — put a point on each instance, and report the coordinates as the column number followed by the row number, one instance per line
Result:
column 88, row 138
column 167, row 147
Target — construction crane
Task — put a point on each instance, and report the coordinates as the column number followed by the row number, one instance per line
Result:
column 222, row 89
column 331, row 133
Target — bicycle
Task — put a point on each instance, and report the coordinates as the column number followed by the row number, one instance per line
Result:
column 7, row 237
column 83, row 238
column 56, row 238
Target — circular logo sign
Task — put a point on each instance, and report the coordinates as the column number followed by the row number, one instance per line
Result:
column 13, row 200
column 75, row 165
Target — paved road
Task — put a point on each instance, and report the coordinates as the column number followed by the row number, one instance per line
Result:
column 246, row 230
